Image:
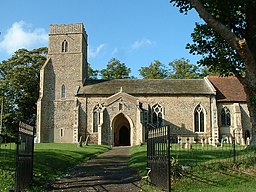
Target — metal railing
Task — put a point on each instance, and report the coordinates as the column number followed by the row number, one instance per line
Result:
column 24, row 156
column 158, row 157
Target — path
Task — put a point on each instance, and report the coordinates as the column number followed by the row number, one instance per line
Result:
column 109, row 172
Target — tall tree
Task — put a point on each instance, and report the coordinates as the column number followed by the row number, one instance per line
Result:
column 227, row 42
column 155, row 70
column 92, row 73
column 19, row 85
column 115, row 70
column 182, row 69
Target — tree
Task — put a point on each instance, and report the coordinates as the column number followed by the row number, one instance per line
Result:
column 227, row 42
column 182, row 69
column 115, row 70
column 155, row 70
column 19, row 85
column 92, row 73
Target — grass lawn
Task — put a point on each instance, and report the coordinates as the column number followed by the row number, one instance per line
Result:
column 50, row 161
column 206, row 175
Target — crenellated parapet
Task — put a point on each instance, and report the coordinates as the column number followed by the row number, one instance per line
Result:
column 67, row 29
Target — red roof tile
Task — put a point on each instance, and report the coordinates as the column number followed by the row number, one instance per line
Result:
column 228, row 88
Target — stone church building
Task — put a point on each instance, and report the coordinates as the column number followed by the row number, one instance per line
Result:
column 118, row 112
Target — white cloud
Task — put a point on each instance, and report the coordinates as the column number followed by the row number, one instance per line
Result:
column 115, row 51
column 92, row 53
column 20, row 36
column 142, row 43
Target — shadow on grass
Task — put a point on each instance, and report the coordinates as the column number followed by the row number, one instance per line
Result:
column 105, row 172
column 52, row 163
column 208, row 167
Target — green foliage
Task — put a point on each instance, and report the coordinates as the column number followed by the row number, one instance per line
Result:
column 177, row 69
column 19, row 85
column 218, row 54
column 182, row 69
column 155, row 70
column 92, row 73
column 115, row 70
column 227, row 42
column 176, row 169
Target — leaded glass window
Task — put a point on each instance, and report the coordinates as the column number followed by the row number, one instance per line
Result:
column 157, row 115
column 225, row 117
column 96, row 117
column 199, row 119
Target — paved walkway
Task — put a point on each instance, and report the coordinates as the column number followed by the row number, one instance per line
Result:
column 108, row 172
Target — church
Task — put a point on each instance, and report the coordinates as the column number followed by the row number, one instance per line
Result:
column 72, row 107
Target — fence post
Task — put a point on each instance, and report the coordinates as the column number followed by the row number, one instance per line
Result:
column 168, row 160
column 234, row 148
column 24, row 156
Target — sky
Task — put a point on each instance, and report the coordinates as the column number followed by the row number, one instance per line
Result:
column 136, row 32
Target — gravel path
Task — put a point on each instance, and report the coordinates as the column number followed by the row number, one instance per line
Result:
column 108, row 172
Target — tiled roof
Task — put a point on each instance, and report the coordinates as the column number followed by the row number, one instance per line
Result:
column 228, row 88
column 146, row 87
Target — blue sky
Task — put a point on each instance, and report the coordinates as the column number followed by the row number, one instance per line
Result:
column 136, row 32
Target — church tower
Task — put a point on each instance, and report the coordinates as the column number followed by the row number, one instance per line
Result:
column 61, row 76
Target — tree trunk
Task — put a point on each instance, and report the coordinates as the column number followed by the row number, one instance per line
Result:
column 246, row 52
column 250, row 90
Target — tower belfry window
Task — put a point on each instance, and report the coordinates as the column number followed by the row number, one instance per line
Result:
column 64, row 46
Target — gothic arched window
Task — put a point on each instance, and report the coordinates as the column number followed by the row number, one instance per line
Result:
column 63, row 91
column 199, row 119
column 96, row 117
column 157, row 115
column 64, row 46
column 225, row 117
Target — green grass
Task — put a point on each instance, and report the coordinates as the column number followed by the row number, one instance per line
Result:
column 138, row 161
column 213, row 170
column 50, row 161
column 7, row 166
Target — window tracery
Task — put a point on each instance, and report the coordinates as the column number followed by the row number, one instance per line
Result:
column 97, row 117
column 225, row 117
column 199, row 118
column 157, row 115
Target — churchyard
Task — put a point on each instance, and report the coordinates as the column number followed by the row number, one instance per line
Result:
column 199, row 168
column 50, row 162
column 205, row 168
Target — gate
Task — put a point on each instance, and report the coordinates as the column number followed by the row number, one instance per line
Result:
column 24, row 156
column 158, row 157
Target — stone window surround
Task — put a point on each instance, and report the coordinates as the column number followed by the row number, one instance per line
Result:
column 61, row 132
column 97, row 110
column 204, row 118
column 64, row 46
column 159, row 111
column 63, row 91
column 225, row 117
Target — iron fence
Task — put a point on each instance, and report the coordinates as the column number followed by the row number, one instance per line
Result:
column 158, row 157
column 190, row 151
column 6, row 148
column 170, row 153
column 24, row 156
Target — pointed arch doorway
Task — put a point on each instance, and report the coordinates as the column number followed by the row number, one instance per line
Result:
column 122, row 131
